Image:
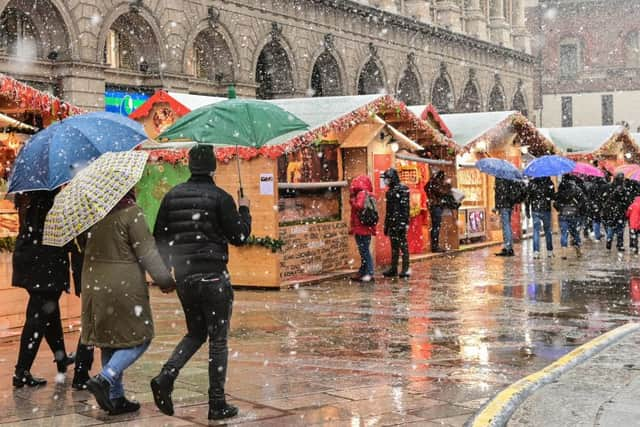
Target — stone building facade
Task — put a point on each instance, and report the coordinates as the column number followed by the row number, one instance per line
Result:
column 469, row 55
column 589, row 56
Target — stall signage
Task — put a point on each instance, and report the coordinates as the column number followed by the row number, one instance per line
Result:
column 266, row 184
column 122, row 101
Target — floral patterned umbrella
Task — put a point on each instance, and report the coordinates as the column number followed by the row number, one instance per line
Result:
column 92, row 194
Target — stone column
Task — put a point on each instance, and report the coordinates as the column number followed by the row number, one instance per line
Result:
column 448, row 14
column 521, row 39
column 475, row 19
column 419, row 9
column 499, row 27
column 83, row 84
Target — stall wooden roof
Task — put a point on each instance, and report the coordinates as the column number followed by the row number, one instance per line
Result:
column 430, row 114
column 470, row 128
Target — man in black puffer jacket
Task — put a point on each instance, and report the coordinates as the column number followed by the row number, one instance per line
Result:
column 396, row 223
column 540, row 193
column 617, row 199
column 196, row 221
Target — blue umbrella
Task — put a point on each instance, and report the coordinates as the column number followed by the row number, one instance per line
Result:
column 549, row 166
column 499, row 168
column 51, row 157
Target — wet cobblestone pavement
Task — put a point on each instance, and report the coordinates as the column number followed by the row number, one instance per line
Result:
column 427, row 351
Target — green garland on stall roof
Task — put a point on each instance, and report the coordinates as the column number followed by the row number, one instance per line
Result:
column 267, row 242
column 7, row 244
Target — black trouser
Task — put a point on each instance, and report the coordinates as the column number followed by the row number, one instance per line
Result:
column 399, row 243
column 436, row 220
column 84, row 358
column 207, row 301
column 43, row 320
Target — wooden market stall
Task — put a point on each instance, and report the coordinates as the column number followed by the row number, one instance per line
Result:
column 506, row 135
column 298, row 185
column 23, row 111
column 610, row 146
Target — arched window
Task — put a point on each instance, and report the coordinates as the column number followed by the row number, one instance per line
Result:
column 212, row 59
column 442, row 95
column 33, row 32
column 497, row 99
column 470, row 101
column 519, row 102
column 409, row 88
column 632, row 50
column 273, row 72
column 325, row 77
column 370, row 80
column 131, row 44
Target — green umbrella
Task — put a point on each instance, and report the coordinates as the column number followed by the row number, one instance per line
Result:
column 239, row 122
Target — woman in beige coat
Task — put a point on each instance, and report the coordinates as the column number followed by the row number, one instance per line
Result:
column 116, row 314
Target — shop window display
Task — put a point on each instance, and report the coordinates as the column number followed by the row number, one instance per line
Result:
column 310, row 188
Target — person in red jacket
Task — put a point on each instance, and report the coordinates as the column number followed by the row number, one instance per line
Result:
column 633, row 214
column 360, row 187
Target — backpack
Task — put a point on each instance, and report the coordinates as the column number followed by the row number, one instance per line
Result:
column 369, row 214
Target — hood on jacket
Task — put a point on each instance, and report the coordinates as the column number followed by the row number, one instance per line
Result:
column 393, row 176
column 359, row 183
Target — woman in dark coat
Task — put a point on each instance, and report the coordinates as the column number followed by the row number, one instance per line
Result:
column 570, row 204
column 44, row 272
column 116, row 314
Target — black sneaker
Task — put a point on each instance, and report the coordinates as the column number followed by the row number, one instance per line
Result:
column 80, row 379
column 122, row 405
column 162, row 386
column 390, row 273
column 608, row 245
column 405, row 274
column 66, row 362
column 221, row 412
column 506, row 252
column 26, row 379
column 99, row 387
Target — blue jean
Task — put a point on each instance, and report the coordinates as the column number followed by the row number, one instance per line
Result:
column 596, row 229
column 568, row 225
column 115, row 361
column 366, row 264
column 542, row 219
column 618, row 230
column 507, row 235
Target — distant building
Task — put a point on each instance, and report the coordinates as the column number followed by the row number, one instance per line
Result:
column 467, row 55
column 589, row 56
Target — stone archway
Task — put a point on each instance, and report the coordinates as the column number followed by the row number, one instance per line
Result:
column 274, row 74
column 519, row 102
column 34, row 32
column 325, row 77
column 370, row 80
column 497, row 101
column 131, row 44
column 409, row 88
column 211, row 57
column 442, row 94
column 470, row 101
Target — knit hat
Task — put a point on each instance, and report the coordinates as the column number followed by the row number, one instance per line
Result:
column 202, row 160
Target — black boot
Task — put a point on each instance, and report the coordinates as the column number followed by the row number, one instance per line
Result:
column 99, row 387
column 123, row 406
column 80, row 378
column 392, row 272
column 221, row 410
column 24, row 378
column 162, row 387
column 65, row 362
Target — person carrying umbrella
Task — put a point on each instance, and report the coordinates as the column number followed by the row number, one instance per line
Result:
column 396, row 223
column 618, row 197
column 540, row 193
column 570, row 204
column 116, row 314
column 196, row 221
column 507, row 195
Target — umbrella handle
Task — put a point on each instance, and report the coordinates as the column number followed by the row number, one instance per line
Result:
column 240, row 191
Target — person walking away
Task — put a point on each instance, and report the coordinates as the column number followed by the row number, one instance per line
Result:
column 507, row 195
column 596, row 196
column 616, row 202
column 43, row 271
column 84, row 353
column 437, row 188
column 196, row 222
column 540, row 194
column 116, row 314
column 633, row 215
column 360, row 189
column 396, row 223
column 570, row 203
